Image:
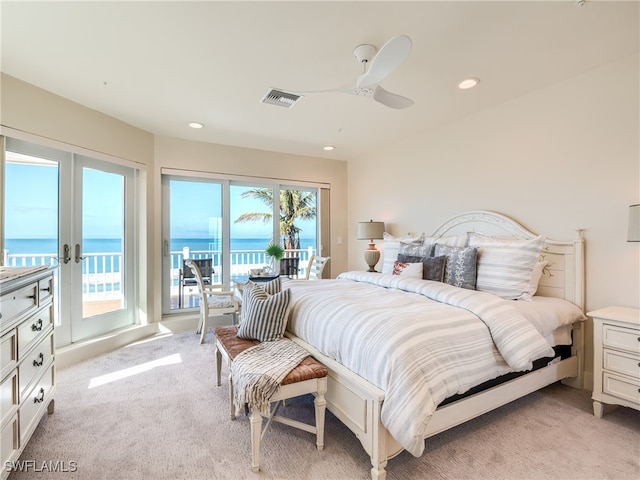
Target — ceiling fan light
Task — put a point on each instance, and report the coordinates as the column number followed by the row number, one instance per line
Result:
column 468, row 83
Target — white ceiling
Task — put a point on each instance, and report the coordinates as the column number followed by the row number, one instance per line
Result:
column 160, row 65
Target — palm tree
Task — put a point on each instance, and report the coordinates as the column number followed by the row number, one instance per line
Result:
column 294, row 205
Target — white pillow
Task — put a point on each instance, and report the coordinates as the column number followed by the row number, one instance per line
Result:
column 505, row 266
column 391, row 246
column 536, row 275
column 413, row 270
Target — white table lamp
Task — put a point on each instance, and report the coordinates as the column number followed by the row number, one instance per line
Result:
column 371, row 231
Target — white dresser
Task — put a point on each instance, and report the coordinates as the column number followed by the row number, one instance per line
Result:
column 27, row 356
column 616, row 357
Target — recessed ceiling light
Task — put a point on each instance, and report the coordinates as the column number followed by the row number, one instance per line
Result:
column 328, row 148
column 196, row 125
column 468, row 83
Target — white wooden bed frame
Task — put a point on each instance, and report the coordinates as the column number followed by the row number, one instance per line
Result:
column 358, row 403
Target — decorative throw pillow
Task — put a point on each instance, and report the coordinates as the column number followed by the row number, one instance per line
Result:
column 391, row 246
column 413, row 270
column 460, row 269
column 505, row 266
column 432, row 267
column 271, row 287
column 264, row 316
column 414, row 250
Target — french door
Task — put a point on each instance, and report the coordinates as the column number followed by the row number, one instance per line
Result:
column 77, row 213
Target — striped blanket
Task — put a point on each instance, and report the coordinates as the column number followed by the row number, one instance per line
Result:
column 257, row 372
column 419, row 341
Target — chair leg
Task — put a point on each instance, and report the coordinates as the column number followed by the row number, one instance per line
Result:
column 256, row 432
column 320, row 406
column 203, row 329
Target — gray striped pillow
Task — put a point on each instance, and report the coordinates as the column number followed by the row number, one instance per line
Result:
column 271, row 287
column 264, row 316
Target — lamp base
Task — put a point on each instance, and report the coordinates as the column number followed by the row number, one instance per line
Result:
column 371, row 257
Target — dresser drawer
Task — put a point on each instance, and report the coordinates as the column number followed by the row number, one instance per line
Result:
column 627, row 339
column 32, row 366
column 33, row 330
column 627, row 388
column 8, row 352
column 18, row 302
column 45, row 290
column 35, row 404
column 8, row 396
column 621, row 362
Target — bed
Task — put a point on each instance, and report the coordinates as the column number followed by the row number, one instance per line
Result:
column 393, row 398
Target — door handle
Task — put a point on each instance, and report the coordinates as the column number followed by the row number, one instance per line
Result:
column 78, row 257
column 66, row 254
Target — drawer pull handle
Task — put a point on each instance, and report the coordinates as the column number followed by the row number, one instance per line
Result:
column 36, row 327
column 48, row 289
column 37, row 363
column 33, row 297
column 40, row 397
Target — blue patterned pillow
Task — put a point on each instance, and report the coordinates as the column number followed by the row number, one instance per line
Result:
column 264, row 316
column 460, row 270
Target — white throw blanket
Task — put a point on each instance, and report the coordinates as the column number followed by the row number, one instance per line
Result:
column 258, row 371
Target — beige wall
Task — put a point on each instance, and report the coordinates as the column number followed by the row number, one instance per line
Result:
column 207, row 157
column 558, row 159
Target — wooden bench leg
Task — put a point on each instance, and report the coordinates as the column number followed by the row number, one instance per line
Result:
column 218, row 365
column 320, row 406
column 232, row 403
column 256, row 433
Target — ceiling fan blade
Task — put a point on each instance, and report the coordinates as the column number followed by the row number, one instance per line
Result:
column 391, row 100
column 388, row 58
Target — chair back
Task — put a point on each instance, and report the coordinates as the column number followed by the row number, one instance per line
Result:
column 289, row 266
column 316, row 267
column 204, row 265
column 193, row 266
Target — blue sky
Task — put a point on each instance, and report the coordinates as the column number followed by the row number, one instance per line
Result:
column 32, row 206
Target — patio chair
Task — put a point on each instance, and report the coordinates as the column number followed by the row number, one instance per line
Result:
column 316, row 267
column 214, row 301
column 187, row 277
column 289, row 266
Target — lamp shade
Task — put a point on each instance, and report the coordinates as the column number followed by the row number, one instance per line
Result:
column 370, row 230
column 634, row 223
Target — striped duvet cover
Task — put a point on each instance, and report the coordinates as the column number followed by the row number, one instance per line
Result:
column 419, row 341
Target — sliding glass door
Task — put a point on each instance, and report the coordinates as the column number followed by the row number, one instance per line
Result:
column 232, row 222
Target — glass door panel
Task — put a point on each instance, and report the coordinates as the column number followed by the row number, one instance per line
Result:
column 298, row 228
column 195, row 232
column 102, row 252
column 252, row 228
column 102, row 256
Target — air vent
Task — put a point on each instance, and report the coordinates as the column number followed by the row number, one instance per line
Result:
column 280, row 98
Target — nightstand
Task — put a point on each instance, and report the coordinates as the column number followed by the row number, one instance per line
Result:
column 616, row 358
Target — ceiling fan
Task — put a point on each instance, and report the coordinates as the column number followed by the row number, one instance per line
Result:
column 377, row 67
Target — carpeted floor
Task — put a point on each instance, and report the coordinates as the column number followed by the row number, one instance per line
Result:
column 152, row 411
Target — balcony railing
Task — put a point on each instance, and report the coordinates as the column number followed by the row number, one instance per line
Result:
column 101, row 272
